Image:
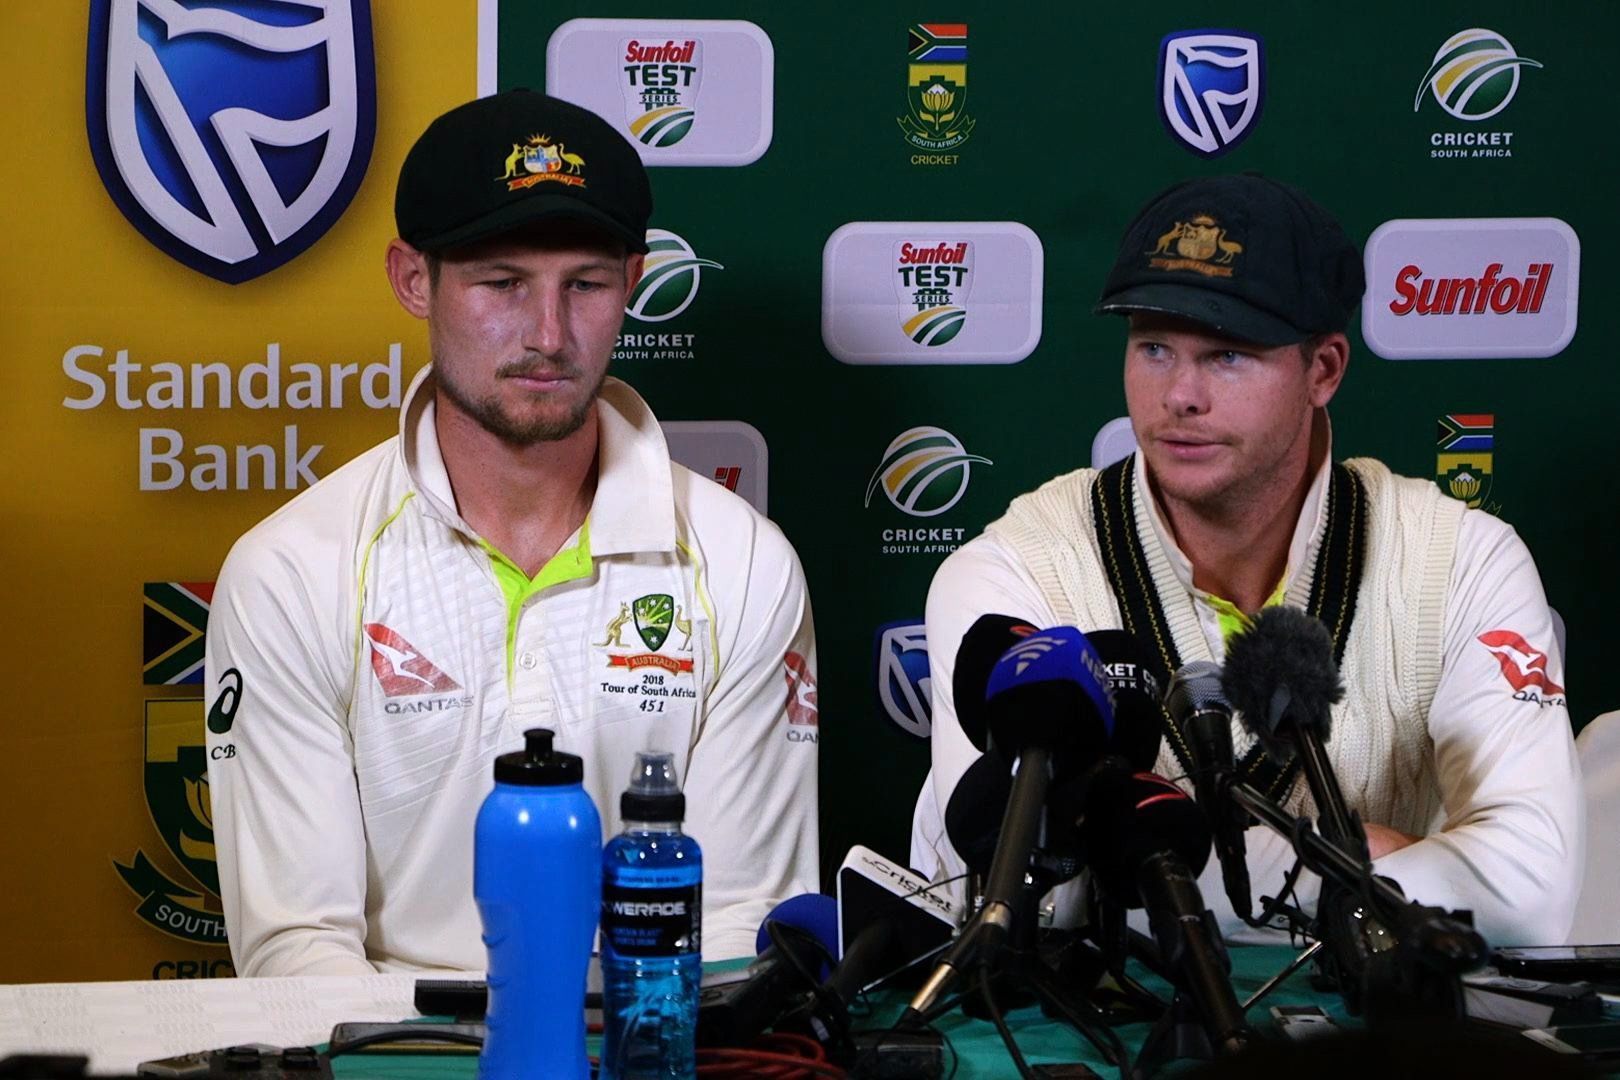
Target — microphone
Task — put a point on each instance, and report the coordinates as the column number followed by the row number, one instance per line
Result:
column 987, row 639
column 1147, row 842
column 1138, row 709
column 1047, row 700
column 1201, row 713
column 1281, row 677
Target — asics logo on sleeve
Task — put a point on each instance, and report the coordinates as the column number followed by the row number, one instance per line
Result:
column 401, row 669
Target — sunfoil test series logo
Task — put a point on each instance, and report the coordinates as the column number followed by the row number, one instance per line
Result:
column 936, row 271
column 1474, row 76
column 670, row 280
column 923, row 472
column 232, row 136
column 690, row 91
column 1211, row 88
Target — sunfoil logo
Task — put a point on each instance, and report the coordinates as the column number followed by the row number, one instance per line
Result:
column 1474, row 75
column 924, row 472
column 671, row 279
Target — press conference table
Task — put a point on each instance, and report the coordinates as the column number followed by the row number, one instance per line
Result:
column 120, row 1024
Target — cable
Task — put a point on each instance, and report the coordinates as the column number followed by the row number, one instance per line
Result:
column 780, row 1056
column 996, row 1018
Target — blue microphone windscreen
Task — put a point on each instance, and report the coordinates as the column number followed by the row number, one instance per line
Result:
column 814, row 913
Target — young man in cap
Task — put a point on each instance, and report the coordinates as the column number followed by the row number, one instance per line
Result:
column 523, row 554
column 1453, row 739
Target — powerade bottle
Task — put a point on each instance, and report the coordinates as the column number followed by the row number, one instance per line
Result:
column 536, row 858
column 652, row 899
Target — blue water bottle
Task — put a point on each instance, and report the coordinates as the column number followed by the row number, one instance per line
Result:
column 652, row 900
column 537, row 879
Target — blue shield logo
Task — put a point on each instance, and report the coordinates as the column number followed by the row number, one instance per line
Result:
column 1211, row 86
column 233, row 135
column 902, row 676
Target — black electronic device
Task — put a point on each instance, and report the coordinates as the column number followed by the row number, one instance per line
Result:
column 1564, row 963
column 1302, row 1022
column 248, row 1061
column 367, row 1037
column 1591, row 1042
column 1529, row 1003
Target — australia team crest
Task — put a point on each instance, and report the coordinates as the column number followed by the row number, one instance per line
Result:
column 1211, row 87
column 232, row 136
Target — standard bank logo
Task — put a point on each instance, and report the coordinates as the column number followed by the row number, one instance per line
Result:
column 903, row 683
column 939, row 273
column 690, row 91
column 1474, row 75
column 231, row 136
column 1463, row 288
column 669, row 280
column 1211, row 87
column 924, row 472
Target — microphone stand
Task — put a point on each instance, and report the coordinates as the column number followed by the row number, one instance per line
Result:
column 1414, row 971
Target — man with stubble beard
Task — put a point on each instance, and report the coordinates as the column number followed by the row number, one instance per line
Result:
column 522, row 554
column 1453, row 738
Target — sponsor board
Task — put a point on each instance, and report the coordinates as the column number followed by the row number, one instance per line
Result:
column 1473, row 77
column 923, row 473
column 232, row 136
column 1114, row 441
column 729, row 452
column 1466, row 288
column 931, row 292
column 683, row 91
column 901, row 674
column 1211, row 88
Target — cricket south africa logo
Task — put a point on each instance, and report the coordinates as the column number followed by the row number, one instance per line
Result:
column 231, row 135
column 176, row 784
column 933, row 279
column 924, row 472
column 1211, row 87
column 1474, row 75
column 669, row 283
column 936, row 89
column 661, row 84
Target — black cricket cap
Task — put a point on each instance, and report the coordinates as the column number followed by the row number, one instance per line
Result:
column 1246, row 255
column 509, row 160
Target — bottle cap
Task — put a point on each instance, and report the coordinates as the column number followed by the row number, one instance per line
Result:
column 537, row 764
column 654, row 794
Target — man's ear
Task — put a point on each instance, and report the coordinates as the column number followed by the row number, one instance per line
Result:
column 1328, row 359
column 409, row 275
column 634, row 264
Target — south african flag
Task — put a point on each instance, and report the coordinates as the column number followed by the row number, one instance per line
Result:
column 937, row 43
column 173, row 623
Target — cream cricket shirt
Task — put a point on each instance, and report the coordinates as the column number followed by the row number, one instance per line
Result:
column 369, row 655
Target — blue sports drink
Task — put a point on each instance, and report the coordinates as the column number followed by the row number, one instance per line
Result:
column 537, row 879
column 652, row 900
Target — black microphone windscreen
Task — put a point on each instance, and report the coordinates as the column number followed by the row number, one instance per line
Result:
column 986, row 640
column 974, row 811
column 1132, row 816
column 1282, row 666
column 1138, row 710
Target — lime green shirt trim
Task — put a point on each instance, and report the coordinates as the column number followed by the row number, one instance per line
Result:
column 569, row 564
column 1232, row 620
column 365, row 561
column 703, row 598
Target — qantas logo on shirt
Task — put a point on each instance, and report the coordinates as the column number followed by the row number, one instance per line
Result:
column 401, row 669
column 802, row 710
column 1523, row 666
